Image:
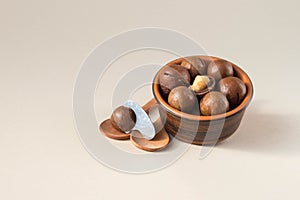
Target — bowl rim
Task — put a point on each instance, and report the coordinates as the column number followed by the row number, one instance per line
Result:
column 168, row 108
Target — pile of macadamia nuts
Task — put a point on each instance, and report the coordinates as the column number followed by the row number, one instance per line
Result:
column 201, row 88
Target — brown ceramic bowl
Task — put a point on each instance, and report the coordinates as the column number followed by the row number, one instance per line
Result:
column 203, row 130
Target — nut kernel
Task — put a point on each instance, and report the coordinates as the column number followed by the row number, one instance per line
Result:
column 200, row 83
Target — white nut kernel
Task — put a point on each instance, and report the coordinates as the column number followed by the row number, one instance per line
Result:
column 200, row 83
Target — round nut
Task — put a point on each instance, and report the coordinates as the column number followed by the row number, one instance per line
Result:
column 123, row 118
column 195, row 65
column 173, row 76
column 214, row 103
column 183, row 99
column 184, row 73
column 234, row 89
column 220, row 69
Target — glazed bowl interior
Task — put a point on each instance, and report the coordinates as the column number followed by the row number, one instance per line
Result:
column 238, row 73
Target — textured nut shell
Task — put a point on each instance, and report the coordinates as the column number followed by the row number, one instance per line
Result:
column 214, row 103
column 220, row 69
column 195, row 65
column 182, row 98
column 234, row 89
column 123, row 119
column 184, row 73
column 171, row 78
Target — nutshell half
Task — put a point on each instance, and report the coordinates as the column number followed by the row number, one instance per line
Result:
column 203, row 85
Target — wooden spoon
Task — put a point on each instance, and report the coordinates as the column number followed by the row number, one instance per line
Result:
column 160, row 140
column 110, row 131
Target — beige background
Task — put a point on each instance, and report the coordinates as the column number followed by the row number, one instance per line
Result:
column 42, row 46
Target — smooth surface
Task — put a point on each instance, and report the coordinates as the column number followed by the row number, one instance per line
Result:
column 43, row 44
column 110, row 131
column 159, row 142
